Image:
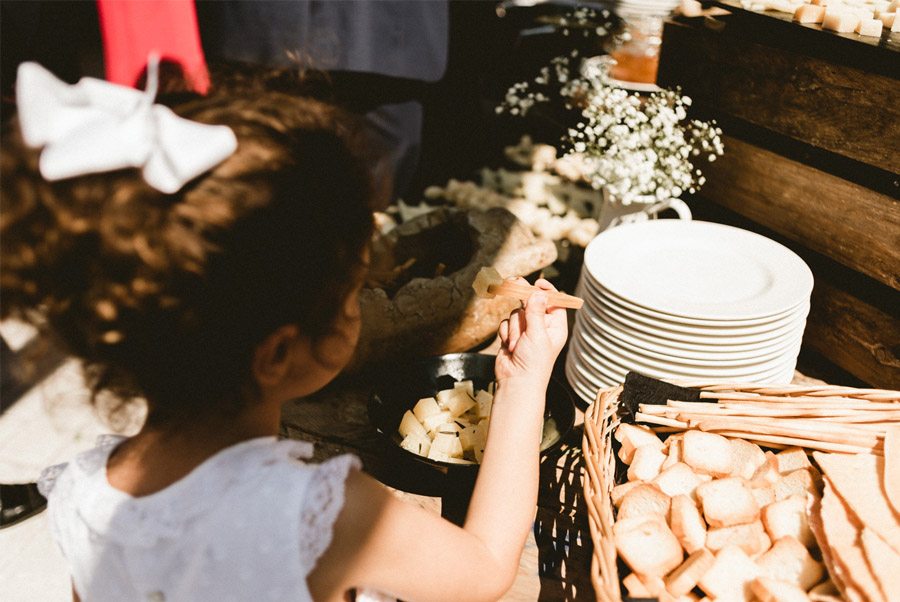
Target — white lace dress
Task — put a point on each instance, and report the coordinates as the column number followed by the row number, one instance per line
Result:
column 249, row 523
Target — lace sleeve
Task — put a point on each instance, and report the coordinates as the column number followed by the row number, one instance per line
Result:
column 48, row 478
column 324, row 500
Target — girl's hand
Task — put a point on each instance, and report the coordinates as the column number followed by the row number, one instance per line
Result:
column 532, row 337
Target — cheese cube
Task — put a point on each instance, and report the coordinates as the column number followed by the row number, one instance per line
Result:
column 417, row 444
column 783, row 6
column 448, row 428
column 459, row 402
column 484, row 400
column 895, row 26
column 426, row 407
column 808, row 13
column 888, row 19
column 448, row 445
column 410, row 424
column 870, row 28
column 431, row 423
column 468, row 437
column 466, row 386
column 840, row 22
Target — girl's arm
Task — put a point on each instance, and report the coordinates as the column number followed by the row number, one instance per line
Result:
column 385, row 544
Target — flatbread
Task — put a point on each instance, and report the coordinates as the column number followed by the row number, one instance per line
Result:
column 825, row 592
column 818, row 529
column 858, row 480
column 884, row 561
column 843, row 538
column 892, row 467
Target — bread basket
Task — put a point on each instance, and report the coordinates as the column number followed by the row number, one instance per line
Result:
column 600, row 463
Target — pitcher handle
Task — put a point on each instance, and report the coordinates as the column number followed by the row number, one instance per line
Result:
column 681, row 209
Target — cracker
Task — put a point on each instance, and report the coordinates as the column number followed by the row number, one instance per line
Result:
column 892, row 466
column 885, row 562
column 843, row 538
column 858, row 480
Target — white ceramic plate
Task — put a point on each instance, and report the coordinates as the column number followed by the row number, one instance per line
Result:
column 600, row 306
column 606, row 326
column 640, row 361
column 712, row 357
column 677, row 324
column 595, row 290
column 593, row 312
column 580, row 371
column 605, row 362
column 649, row 361
column 698, row 269
column 585, row 385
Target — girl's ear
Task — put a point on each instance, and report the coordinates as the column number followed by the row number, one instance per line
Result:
column 273, row 358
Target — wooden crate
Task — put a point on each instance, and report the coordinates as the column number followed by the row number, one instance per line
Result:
column 812, row 155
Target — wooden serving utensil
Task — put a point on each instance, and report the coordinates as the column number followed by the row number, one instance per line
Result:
column 489, row 283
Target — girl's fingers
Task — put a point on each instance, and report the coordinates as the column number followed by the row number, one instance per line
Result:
column 516, row 325
column 503, row 331
column 544, row 284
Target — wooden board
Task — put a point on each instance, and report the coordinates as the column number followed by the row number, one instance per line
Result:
column 861, row 338
column 842, row 220
column 888, row 42
column 846, row 110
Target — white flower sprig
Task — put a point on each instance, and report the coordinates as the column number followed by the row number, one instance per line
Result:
column 638, row 148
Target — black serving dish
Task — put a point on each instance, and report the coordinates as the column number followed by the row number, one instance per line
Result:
column 406, row 385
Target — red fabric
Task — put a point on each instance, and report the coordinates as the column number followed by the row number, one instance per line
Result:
column 132, row 29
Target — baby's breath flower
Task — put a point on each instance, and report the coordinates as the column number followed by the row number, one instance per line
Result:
column 638, row 149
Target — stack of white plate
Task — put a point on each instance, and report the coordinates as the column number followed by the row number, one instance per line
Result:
column 687, row 300
column 644, row 8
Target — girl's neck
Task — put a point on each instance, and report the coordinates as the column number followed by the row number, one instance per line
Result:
column 161, row 454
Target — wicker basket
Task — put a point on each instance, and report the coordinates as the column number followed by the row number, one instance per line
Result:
column 600, row 421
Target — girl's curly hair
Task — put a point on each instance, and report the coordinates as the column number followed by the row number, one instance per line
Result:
column 167, row 296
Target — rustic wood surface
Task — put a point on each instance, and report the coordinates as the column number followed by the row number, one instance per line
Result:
column 869, row 47
column 850, row 111
column 861, row 338
column 849, row 223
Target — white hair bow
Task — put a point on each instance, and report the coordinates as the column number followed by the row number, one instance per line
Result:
column 95, row 126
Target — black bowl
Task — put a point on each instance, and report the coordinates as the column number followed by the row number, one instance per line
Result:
column 406, row 386
column 416, row 474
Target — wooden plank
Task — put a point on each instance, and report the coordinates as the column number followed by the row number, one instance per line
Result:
column 872, row 49
column 843, row 109
column 861, row 338
column 842, row 220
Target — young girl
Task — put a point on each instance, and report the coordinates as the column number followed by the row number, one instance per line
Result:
column 216, row 301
